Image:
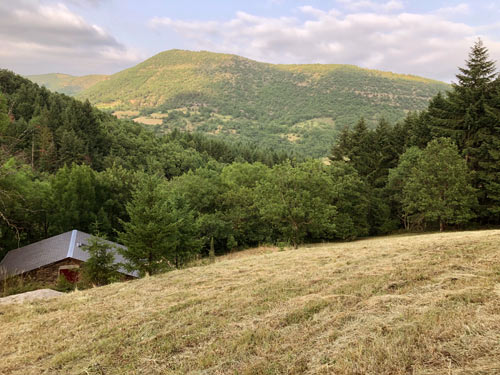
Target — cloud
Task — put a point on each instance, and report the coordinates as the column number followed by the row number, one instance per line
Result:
column 357, row 5
column 460, row 9
column 40, row 37
column 86, row 2
column 428, row 44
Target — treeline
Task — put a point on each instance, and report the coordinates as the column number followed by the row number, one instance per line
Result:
column 60, row 160
column 441, row 166
column 171, row 198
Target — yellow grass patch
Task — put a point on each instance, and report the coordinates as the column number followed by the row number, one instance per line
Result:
column 126, row 114
column 148, row 120
column 424, row 304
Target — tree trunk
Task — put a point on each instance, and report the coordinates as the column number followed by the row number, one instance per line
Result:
column 212, row 250
column 441, row 225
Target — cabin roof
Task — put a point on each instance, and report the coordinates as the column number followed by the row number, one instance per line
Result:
column 51, row 250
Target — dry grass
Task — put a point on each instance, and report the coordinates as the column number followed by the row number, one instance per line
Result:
column 424, row 304
column 126, row 114
column 148, row 121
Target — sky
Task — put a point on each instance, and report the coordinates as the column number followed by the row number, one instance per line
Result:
column 79, row 37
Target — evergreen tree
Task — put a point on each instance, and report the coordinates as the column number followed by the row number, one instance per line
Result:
column 162, row 232
column 74, row 202
column 148, row 234
column 469, row 115
column 100, row 268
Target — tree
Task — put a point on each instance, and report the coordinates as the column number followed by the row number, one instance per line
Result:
column 398, row 177
column 147, row 235
column 100, row 268
column 74, row 203
column 470, row 116
column 4, row 118
column 349, row 196
column 438, row 186
column 239, row 203
column 162, row 232
column 296, row 202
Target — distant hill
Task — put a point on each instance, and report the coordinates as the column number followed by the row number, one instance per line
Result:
column 293, row 107
column 65, row 83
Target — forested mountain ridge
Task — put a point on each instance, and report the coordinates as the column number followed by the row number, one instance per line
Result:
column 290, row 107
column 65, row 83
column 235, row 85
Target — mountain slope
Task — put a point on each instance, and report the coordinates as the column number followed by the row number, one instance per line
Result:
column 175, row 78
column 293, row 107
column 425, row 304
column 65, row 83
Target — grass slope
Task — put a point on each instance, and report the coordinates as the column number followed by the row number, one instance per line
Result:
column 260, row 102
column 427, row 304
column 66, row 84
column 177, row 78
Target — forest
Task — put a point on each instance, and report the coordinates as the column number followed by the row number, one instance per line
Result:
column 174, row 197
column 294, row 108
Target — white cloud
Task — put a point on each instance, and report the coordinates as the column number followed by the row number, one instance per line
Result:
column 460, row 9
column 40, row 37
column 429, row 44
column 358, row 5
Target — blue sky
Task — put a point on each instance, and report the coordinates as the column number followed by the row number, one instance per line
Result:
column 428, row 38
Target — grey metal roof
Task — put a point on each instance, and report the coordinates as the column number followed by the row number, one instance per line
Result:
column 51, row 250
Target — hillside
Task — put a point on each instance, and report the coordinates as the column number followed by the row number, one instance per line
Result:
column 65, row 83
column 294, row 107
column 425, row 304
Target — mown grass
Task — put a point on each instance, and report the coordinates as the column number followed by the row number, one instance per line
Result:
column 426, row 304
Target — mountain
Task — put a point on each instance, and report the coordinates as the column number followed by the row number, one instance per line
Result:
column 425, row 304
column 293, row 107
column 65, row 83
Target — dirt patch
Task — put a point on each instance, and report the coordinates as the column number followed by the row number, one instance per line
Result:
column 30, row 296
column 126, row 114
column 148, row 121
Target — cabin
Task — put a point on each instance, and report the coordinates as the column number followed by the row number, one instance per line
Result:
column 47, row 260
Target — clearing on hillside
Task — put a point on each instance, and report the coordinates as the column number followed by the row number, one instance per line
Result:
column 426, row 304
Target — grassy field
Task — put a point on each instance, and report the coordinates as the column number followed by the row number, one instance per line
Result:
column 427, row 304
column 65, row 83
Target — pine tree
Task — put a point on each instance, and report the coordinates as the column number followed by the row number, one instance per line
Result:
column 469, row 115
column 148, row 234
column 162, row 232
column 100, row 268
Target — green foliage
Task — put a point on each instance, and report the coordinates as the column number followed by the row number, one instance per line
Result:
column 296, row 107
column 397, row 179
column 469, row 114
column 162, row 232
column 349, row 193
column 22, row 204
column 147, row 235
column 296, row 201
column 64, row 285
column 74, row 197
column 4, row 118
column 18, row 284
column 438, row 187
column 100, row 268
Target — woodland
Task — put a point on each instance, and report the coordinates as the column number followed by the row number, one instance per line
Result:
column 177, row 196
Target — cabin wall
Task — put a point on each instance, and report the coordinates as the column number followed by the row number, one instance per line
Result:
column 50, row 273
